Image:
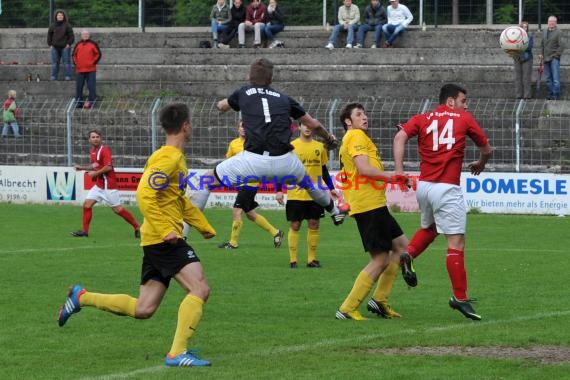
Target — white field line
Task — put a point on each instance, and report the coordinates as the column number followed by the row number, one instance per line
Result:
column 67, row 249
column 352, row 340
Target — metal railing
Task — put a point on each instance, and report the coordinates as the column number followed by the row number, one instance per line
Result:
column 527, row 136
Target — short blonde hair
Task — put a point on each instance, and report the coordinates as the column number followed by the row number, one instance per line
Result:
column 11, row 94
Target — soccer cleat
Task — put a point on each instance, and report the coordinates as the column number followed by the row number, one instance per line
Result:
column 71, row 305
column 80, row 233
column 464, row 307
column 329, row 46
column 277, row 239
column 138, row 234
column 354, row 315
column 408, row 272
column 382, row 308
column 185, row 359
column 227, row 245
column 293, row 265
column 314, row 264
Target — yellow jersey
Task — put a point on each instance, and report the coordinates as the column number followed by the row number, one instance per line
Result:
column 360, row 193
column 313, row 155
column 235, row 147
column 162, row 200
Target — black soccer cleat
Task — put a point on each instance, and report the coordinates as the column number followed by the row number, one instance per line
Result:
column 80, row 233
column 408, row 272
column 465, row 308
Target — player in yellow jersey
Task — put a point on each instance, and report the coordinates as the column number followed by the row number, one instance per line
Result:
column 164, row 206
column 363, row 182
column 245, row 202
column 300, row 206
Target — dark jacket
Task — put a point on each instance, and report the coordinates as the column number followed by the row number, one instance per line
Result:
column 86, row 54
column 375, row 16
column 238, row 15
column 527, row 54
column 552, row 45
column 60, row 33
column 276, row 17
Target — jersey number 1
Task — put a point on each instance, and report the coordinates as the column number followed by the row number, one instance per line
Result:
column 445, row 137
column 265, row 105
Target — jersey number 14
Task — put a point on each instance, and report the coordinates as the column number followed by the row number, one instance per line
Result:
column 445, row 137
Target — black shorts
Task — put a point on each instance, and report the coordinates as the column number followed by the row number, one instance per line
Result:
column 245, row 199
column 162, row 261
column 303, row 210
column 377, row 229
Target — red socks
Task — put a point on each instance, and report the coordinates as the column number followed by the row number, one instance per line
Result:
column 87, row 215
column 129, row 218
column 457, row 275
column 420, row 241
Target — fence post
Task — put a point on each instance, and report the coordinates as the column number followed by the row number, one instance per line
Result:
column 153, row 124
column 69, row 116
column 520, row 108
column 331, row 127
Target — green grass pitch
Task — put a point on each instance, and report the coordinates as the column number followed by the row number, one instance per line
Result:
column 266, row 321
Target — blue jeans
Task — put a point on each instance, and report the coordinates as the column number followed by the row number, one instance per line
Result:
column 365, row 28
column 552, row 76
column 271, row 29
column 81, row 78
column 217, row 28
column 340, row 28
column 392, row 31
column 58, row 54
column 14, row 126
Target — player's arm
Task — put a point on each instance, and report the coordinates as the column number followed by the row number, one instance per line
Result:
column 196, row 218
column 399, row 147
column 96, row 173
column 478, row 166
column 223, row 105
column 314, row 125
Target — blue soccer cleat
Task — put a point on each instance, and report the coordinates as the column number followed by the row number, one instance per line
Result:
column 71, row 305
column 185, row 359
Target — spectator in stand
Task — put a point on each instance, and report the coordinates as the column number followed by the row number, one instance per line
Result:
column 60, row 38
column 255, row 17
column 220, row 17
column 523, row 67
column 399, row 17
column 10, row 115
column 85, row 56
column 348, row 18
column 237, row 13
column 552, row 47
column 374, row 19
column 275, row 24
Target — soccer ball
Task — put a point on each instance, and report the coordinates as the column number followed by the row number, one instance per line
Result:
column 514, row 40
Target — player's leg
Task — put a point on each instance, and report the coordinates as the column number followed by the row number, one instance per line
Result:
column 92, row 198
column 313, row 213
column 113, row 199
column 249, row 205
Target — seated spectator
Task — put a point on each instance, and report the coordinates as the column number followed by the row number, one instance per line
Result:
column 374, row 18
column 220, row 18
column 237, row 13
column 255, row 16
column 399, row 17
column 275, row 23
column 348, row 17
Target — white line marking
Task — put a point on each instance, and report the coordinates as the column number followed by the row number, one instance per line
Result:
column 93, row 246
column 355, row 339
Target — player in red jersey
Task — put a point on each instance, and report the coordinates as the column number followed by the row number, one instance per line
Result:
column 442, row 135
column 101, row 172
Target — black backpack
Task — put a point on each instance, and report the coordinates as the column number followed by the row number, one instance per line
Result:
column 205, row 45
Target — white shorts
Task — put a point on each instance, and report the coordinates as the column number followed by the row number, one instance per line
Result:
column 235, row 169
column 442, row 204
column 110, row 197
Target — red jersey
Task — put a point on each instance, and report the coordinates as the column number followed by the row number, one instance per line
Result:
column 441, row 142
column 100, row 157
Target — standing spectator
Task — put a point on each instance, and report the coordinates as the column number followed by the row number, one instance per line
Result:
column 102, row 173
column 60, row 38
column 523, row 67
column 552, row 47
column 442, row 135
column 10, row 115
column 399, row 17
column 86, row 55
column 348, row 18
column 275, row 24
column 245, row 202
column 374, row 18
column 166, row 255
column 237, row 13
column 380, row 233
column 255, row 16
column 300, row 206
column 220, row 17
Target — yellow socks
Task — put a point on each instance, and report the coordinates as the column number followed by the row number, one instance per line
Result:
column 312, row 241
column 263, row 223
column 293, row 241
column 359, row 291
column 386, row 282
column 120, row 304
column 189, row 314
column 236, row 229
